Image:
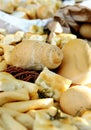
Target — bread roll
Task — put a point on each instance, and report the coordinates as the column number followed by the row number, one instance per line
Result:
column 36, row 55
column 76, row 100
column 76, row 64
column 85, row 30
column 7, row 6
column 45, row 11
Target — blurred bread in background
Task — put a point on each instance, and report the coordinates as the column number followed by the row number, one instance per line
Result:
column 30, row 9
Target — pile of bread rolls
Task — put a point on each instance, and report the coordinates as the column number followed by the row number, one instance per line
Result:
column 72, row 61
column 76, row 66
column 30, row 9
column 75, row 19
column 66, row 57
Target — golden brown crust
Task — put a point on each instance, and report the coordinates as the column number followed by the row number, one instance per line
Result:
column 36, row 55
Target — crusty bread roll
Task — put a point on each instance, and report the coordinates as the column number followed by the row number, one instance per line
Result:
column 85, row 30
column 76, row 64
column 76, row 100
column 36, row 55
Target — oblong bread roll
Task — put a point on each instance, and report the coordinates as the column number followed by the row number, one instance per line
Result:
column 76, row 100
column 36, row 55
column 76, row 64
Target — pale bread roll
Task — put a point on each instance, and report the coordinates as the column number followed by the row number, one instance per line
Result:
column 36, row 55
column 7, row 6
column 45, row 11
column 85, row 30
column 76, row 64
column 76, row 100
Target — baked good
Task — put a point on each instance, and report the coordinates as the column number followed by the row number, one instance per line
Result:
column 36, row 55
column 76, row 64
column 45, row 11
column 53, row 82
column 7, row 6
column 76, row 100
column 85, row 30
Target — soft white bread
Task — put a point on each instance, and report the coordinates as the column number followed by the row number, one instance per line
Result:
column 36, row 55
column 76, row 100
column 76, row 64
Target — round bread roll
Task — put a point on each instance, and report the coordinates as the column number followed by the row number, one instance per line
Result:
column 85, row 30
column 45, row 11
column 76, row 100
column 36, row 55
column 76, row 64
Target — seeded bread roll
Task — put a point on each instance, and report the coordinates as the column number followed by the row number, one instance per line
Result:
column 36, row 55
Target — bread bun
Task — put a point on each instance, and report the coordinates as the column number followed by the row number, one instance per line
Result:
column 76, row 99
column 85, row 30
column 45, row 11
column 36, row 55
column 76, row 64
column 7, row 6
